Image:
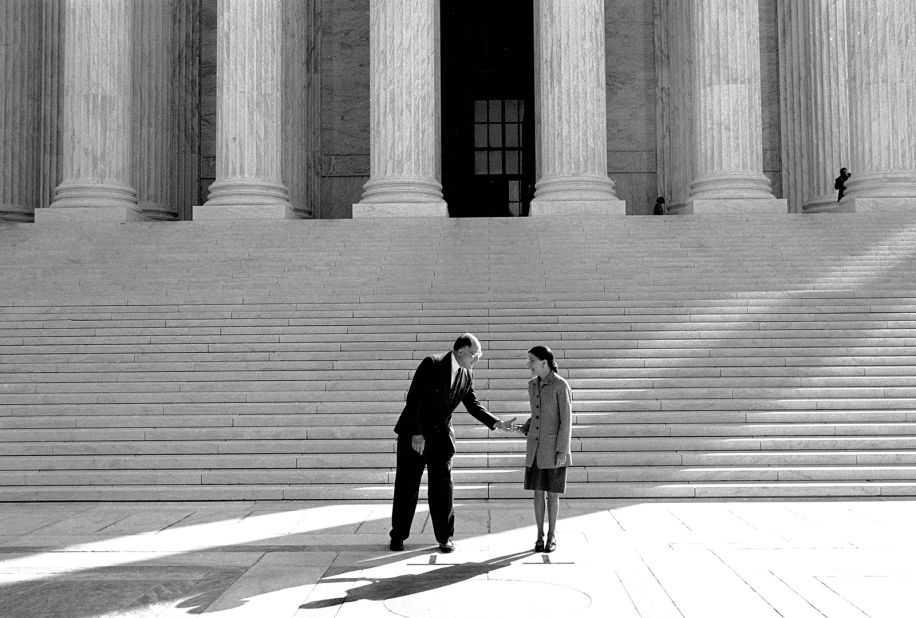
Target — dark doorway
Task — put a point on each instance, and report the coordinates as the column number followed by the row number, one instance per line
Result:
column 487, row 107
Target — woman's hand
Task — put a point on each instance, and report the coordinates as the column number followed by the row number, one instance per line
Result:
column 561, row 460
column 506, row 425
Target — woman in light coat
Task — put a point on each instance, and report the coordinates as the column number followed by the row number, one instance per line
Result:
column 547, row 452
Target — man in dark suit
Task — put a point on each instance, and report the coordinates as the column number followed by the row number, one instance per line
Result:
column 426, row 439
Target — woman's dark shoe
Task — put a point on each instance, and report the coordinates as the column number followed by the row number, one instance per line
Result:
column 550, row 546
column 539, row 545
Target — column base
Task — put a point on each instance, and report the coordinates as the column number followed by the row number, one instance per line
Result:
column 899, row 205
column 833, row 207
column 402, row 190
column 740, row 206
column 825, row 204
column 12, row 213
column 400, row 209
column 245, row 198
column 572, row 208
column 151, row 211
column 93, row 199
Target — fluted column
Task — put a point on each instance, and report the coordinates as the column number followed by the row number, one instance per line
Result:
column 814, row 102
column 248, row 113
column 96, row 111
column 728, row 135
column 571, row 125
column 674, row 104
column 151, row 126
column 184, row 189
column 52, row 61
column 882, row 104
column 404, row 111
column 301, row 104
column 165, row 168
column 20, row 60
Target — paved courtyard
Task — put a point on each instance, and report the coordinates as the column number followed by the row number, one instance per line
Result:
column 692, row 559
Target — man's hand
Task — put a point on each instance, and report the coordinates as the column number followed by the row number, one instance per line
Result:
column 505, row 425
column 418, row 443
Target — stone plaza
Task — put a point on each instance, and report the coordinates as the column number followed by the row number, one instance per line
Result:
column 796, row 559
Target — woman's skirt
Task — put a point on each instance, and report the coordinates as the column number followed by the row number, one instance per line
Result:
column 552, row 480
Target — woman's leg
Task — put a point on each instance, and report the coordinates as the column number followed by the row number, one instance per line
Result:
column 553, row 505
column 539, row 511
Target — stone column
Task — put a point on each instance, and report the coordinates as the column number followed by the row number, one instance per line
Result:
column 882, row 105
column 404, row 111
column 185, row 107
column 571, row 122
column 248, row 113
column 165, row 91
column 52, row 61
column 674, row 104
column 152, row 154
column 96, row 122
column 814, row 103
column 20, row 62
column 301, row 104
column 728, row 168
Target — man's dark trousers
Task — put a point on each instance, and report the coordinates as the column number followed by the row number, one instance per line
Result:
column 407, row 490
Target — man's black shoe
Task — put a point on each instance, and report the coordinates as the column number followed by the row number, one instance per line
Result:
column 396, row 545
column 447, row 547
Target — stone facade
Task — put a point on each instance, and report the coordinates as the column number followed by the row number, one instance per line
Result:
column 318, row 120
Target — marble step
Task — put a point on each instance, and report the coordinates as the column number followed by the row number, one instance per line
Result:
column 91, row 404
column 129, row 444
column 403, row 369
column 501, row 491
column 487, row 313
column 616, row 421
column 465, row 431
column 573, row 368
column 317, row 388
column 870, row 356
column 461, row 476
column 489, row 328
column 629, row 460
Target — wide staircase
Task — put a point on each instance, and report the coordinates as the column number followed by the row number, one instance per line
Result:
column 732, row 356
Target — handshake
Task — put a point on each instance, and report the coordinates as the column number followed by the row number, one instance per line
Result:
column 510, row 425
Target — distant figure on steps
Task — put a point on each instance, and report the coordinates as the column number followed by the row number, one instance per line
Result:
column 839, row 183
column 660, row 207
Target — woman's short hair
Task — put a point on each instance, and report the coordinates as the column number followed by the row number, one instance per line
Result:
column 542, row 352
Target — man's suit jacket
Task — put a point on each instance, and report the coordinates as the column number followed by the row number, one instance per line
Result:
column 431, row 401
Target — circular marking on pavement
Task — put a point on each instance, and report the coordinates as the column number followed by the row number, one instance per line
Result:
column 479, row 598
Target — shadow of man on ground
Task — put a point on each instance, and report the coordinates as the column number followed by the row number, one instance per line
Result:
column 405, row 585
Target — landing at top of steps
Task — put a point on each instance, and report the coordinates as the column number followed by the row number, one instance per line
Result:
column 722, row 257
